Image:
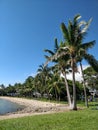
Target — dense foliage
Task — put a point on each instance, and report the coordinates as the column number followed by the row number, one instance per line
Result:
column 41, row 86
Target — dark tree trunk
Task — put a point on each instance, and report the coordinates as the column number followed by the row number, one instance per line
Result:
column 56, row 96
column 74, row 107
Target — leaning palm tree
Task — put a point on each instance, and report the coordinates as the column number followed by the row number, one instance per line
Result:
column 62, row 64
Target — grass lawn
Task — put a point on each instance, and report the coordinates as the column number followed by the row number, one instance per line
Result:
column 73, row 120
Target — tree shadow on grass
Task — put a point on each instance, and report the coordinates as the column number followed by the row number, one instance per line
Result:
column 94, row 106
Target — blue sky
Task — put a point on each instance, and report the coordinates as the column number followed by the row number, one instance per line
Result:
column 27, row 27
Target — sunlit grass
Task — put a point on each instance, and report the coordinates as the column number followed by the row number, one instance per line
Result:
column 86, row 119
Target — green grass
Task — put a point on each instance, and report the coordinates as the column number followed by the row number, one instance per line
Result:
column 73, row 120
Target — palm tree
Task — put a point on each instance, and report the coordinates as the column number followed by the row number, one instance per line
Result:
column 71, row 46
column 83, row 54
column 45, row 75
column 62, row 64
column 73, row 35
column 56, row 83
column 80, row 58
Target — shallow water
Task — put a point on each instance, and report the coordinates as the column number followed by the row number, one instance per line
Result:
column 8, row 107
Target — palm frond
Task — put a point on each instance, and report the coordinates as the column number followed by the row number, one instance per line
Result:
column 56, row 45
column 65, row 31
column 56, row 56
column 84, row 29
column 87, row 45
column 77, row 17
column 49, row 51
column 39, row 70
column 47, row 57
column 82, row 23
column 71, row 32
column 41, row 66
column 92, row 61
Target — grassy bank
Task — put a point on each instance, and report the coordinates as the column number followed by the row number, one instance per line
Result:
column 73, row 120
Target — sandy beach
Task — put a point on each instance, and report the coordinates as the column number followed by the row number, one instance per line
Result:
column 33, row 107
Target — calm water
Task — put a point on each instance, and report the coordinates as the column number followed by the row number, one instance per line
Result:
column 7, row 106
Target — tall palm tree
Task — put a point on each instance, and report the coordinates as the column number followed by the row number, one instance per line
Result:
column 73, row 35
column 81, row 55
column 62, row 64
column 71, row 46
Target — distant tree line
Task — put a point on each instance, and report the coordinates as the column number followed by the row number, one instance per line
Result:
column 46, row 84
column 49, row 84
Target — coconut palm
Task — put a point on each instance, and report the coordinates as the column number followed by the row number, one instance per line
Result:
column 62, row 64
column 83, row 54
column 56, row 83
column 45, row 75
column 73, row 35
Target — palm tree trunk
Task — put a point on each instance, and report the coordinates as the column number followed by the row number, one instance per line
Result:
column 84, row 86
column 74, row 107
column 67, row 89
column 56, row 96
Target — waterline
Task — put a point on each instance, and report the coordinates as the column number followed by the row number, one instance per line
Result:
column 7, row 106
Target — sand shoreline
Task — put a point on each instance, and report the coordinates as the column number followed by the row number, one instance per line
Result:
column 33, row 107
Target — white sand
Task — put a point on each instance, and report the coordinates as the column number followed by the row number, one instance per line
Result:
column 33, row 107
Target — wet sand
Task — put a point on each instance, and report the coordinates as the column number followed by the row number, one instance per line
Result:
column 33, row 107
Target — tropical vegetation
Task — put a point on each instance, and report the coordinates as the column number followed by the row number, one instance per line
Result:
column 73, row 48
column 51, row 81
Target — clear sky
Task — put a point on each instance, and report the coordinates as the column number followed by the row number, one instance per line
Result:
column 27, row 27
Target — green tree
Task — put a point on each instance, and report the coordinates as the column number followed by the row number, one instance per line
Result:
column 83, row 54
column 56, row 83
column 62, row 64
column 2, row 90
column 91, row 78
column 73, row 37
column 10, row 90
column 72, row 45
column 44, row 72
